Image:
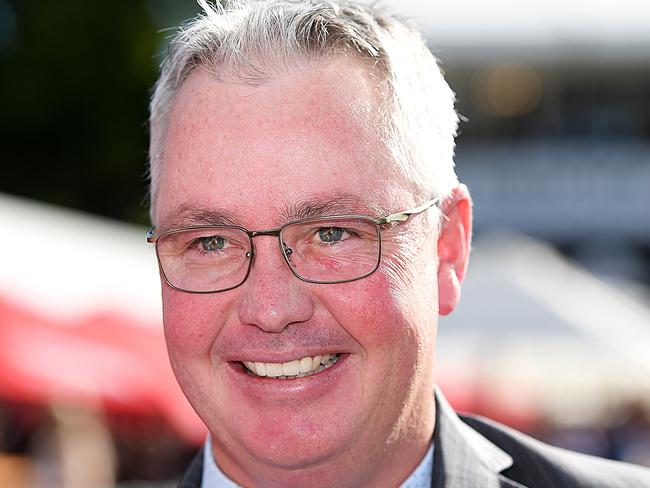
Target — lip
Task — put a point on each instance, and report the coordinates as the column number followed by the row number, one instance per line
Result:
column 265, row 389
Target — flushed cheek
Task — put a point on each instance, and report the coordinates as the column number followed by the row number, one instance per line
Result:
column 191, row 322
column 393, row 352
column 394, row 336
column 372, row 313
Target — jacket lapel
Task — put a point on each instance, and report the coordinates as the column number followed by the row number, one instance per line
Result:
column 194, row 474
column 462, row 457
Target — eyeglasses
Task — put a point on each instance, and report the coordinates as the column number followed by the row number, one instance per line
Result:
column 212, row 259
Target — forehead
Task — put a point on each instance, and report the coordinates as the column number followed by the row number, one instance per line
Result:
column 308, row 133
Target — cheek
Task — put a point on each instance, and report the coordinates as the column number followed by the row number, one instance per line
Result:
column 396, row 338
column 191, row 322
column 379, row 319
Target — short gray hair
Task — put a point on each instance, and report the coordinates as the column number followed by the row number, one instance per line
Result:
column 247, row 41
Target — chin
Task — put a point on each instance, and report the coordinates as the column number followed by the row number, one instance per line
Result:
column 288, row 438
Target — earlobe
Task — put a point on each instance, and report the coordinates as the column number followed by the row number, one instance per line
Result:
column 453, row 248
column 448, row 288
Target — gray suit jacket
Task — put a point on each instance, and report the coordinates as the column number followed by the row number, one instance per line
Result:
column 472, row 452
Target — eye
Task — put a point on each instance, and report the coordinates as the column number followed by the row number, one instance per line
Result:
column 213, row 243
column 330, row 234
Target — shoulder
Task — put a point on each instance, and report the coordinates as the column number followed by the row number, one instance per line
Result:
column 538, row 464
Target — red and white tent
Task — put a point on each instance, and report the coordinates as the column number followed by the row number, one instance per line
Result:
column 80, row 319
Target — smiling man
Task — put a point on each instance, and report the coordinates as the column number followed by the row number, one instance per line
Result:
column 310, row 229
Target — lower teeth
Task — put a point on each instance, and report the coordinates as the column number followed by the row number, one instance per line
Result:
column 322, row 367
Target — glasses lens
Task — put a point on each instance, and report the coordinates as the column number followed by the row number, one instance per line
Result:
column 204, row 260
column 331, row 250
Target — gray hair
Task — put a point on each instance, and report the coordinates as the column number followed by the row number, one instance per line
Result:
column 247, row 41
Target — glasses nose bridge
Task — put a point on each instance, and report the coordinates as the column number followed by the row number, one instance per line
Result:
column 268, row 232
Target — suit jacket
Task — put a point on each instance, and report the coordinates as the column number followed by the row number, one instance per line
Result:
column 473, row 452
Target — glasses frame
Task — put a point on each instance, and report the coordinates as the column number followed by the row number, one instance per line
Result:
column 394, row 218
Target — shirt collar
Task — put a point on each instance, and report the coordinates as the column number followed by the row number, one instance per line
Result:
column 213, row 477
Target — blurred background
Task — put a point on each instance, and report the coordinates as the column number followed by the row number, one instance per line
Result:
column 553, row 332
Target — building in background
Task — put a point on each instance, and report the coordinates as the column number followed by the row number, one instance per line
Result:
column 557, row 138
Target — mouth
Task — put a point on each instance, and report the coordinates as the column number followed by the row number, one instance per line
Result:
column 297, row 368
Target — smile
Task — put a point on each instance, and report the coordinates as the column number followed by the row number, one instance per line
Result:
column 298, row 368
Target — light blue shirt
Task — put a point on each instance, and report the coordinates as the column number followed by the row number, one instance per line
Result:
column 213, row 477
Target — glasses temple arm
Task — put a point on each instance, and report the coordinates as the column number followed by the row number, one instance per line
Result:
column 404, row 216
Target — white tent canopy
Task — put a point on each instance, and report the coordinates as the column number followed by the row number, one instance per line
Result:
column 529, row 317
column 66, row 263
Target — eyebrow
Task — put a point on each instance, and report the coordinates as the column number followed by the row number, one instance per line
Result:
column 313, row 206
column 318, row 205
column 190, row 214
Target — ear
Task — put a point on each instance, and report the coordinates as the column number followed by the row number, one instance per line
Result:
column 454, row 245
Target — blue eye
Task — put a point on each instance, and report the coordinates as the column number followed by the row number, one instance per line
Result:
column 330, row 234
column 213, row 243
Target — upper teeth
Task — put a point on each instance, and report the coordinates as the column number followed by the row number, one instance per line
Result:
column 292, row 369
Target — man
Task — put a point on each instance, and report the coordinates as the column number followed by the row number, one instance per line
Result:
column 310, row 229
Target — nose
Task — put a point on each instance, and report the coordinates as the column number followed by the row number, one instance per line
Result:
column 272, row 297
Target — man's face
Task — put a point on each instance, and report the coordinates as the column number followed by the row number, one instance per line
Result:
column 265, row 155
